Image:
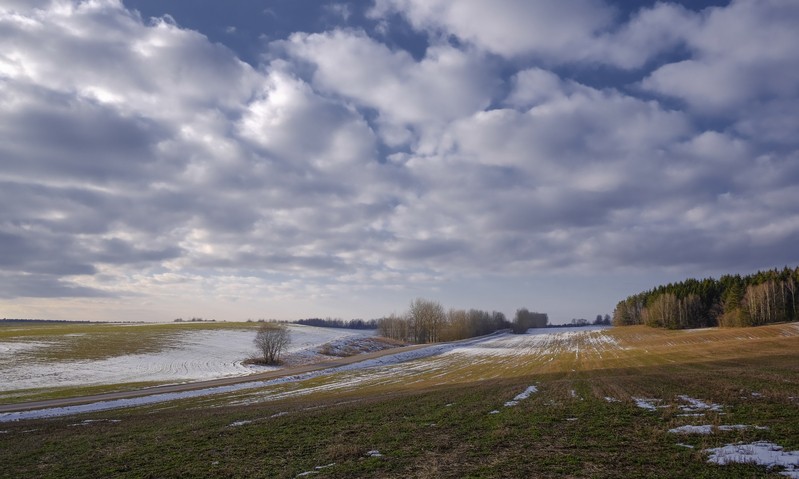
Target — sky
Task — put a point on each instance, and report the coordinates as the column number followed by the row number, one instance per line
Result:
column 287, row 159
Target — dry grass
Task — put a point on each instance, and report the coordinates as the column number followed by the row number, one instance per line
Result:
column 430, row 418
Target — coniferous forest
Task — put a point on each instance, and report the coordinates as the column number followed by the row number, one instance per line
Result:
column 731, row 301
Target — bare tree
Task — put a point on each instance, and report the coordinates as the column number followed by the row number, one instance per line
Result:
column 427, row 319
column 271, row 340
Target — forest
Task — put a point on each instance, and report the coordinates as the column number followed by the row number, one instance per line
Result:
column 730, row 301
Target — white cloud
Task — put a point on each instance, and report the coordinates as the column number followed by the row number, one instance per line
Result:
column 447, row 84
column 741, row 54
column 650, row 32
column 552, row 29
column 291, row 122
column 138, row 154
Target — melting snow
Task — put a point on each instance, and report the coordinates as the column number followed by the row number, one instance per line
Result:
column 396, row 367
column 648, row 404
column 391, row 359
column 522, row 396
column 194, row 356
column 91, row 421
column 238, row 423
column 12, row 347
column 697, row 405
column 761, row 453
column 708, row 428
column 374, row 453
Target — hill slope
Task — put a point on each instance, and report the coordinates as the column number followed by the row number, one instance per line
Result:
column 623, row 402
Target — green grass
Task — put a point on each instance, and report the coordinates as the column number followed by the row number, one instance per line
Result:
column 440, row 426
column 41, row 394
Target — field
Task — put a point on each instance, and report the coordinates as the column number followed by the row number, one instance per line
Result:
column 43, row 360
column 620, row 402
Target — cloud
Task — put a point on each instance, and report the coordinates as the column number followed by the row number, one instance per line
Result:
column 740, row 54
column 446, row 84
column 572, row 32
column 43, row 286
column 141, row 158
column 548, row 29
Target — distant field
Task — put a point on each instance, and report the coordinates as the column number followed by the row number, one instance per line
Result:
column 622, row 402
column 44, row 360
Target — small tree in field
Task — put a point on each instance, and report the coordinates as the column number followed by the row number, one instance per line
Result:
column 271, row 340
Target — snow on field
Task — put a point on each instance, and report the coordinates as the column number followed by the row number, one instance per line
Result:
column 7, row 349
column 708, row 428
column 542, row 341
column 522, row 396
column 193, row 356
column 648, row 404
column 761, row 453
column 439, row 362
column 695, row 405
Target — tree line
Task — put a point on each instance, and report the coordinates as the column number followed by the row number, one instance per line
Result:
column 339, row 323
column 428, row 321
column 730, row 301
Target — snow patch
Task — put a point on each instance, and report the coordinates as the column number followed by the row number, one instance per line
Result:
column 698, row 405
column 522, row 396
column 648, row 404
column 12, row 347
column 373, row 453
column 762, row 453
column 315, row 470
column 708, row 428
column 350, row 346
column 87, row 422
column 611, row 399
column 239, row 423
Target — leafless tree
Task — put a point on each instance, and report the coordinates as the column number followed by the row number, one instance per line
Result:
column 271, row 340
column 426, row 320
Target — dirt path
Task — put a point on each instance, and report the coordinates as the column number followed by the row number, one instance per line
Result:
column 173, row 388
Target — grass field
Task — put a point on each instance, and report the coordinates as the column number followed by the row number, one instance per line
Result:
column 603, row 405
column 87, row 341
column 40, row 360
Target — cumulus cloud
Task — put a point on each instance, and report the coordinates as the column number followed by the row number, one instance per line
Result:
column 141, row 158
column 548, row 29
column 740, row 54
column 408, row 95
column 555, row 32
